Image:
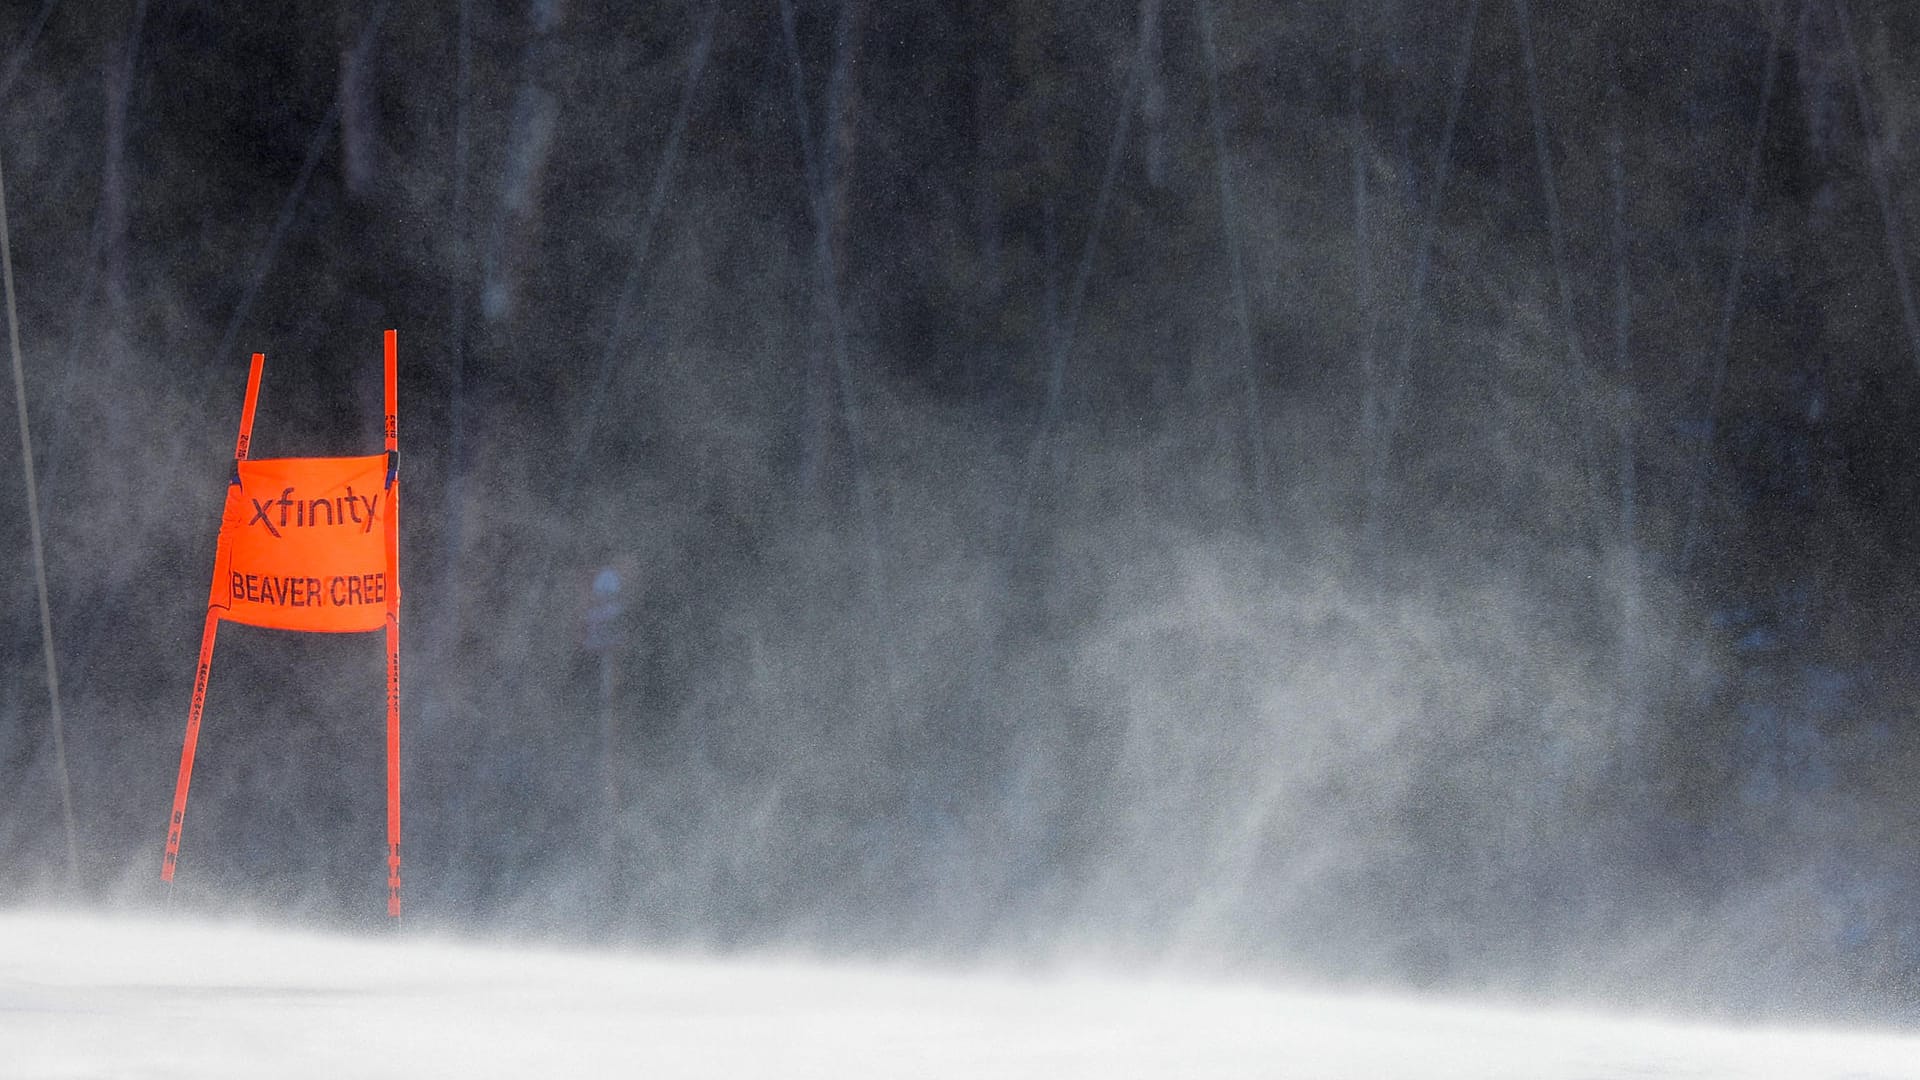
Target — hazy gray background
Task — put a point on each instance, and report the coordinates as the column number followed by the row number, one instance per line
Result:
column 1389, row 492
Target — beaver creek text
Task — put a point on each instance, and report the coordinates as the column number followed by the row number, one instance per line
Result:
column 347, row 590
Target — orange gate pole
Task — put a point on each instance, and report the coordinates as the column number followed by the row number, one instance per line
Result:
column 198, row 706
column 393, row 628
column 187, row 748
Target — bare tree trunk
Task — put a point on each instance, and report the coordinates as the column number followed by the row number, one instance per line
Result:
column 1153, row 96
column 827, row 195
column 1875, row 153
column 1723, row 342
column 1362, row 241
column 842, row 111
column 1062, row 345
column 536, row 115
column 358, row 113
column 114, row 203
column 987, row 159
column 1243, row 315
column 1579, row 378
column 1393, row 379
column 1627, row 673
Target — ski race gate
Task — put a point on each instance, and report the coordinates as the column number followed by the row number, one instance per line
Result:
column 307, row 544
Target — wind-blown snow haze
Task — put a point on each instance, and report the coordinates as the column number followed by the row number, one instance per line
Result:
column 1412, row 497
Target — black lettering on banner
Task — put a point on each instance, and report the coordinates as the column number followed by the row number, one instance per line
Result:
column 260, row 515
column 303, row 513
column 291, row 591
column 343, row 590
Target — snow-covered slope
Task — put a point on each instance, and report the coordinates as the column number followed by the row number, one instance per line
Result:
column 99, row 997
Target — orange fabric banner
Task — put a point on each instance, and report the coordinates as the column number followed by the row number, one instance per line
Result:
column 304, row 545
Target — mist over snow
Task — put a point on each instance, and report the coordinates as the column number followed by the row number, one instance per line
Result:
column 1390, row 496
column 86, row 997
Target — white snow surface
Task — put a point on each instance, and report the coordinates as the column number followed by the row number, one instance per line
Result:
column 97, row 996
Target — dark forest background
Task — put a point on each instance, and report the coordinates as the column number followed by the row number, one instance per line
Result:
column 1381, row 491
